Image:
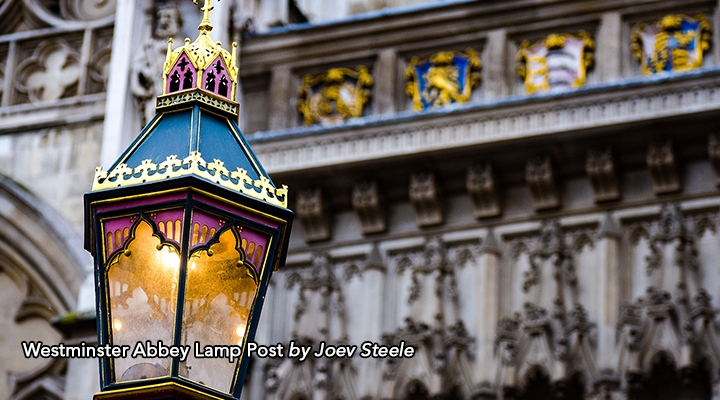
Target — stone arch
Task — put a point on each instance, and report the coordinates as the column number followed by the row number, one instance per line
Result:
column 416, row 390
column 42, row 265
column 664, row 381
column 537, row 385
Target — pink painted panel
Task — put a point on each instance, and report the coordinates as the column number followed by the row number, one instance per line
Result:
column 148, row 201
column 255, row 245
column 236, row 211
column 170, row 224
column 183, row 76
column 206, row 227
column 116, row 232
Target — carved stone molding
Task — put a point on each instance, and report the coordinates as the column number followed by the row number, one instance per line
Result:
column 663, row 168
column 437, row 342
column 51, row 73
column 425, row 200
column 540, row 176
column 672, row 227
column 368, row 207
column 313, row 214
column 574, row 111
column 87, row 10
column 601, row 171
column 482, row 187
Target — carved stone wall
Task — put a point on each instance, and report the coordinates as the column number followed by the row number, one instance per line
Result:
column 534, row 246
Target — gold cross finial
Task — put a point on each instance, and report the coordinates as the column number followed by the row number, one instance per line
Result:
column 205, row 25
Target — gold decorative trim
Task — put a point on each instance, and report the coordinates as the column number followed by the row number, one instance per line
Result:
column 194, row 164
column 339, row 100
column 537, row 55
column 667, row 28
column 174, row 99
column 442, row 84
column 156, row 389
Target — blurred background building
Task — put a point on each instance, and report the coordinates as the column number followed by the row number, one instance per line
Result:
column 525, row 190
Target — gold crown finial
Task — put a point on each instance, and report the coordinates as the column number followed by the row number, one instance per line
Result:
column 205, row 25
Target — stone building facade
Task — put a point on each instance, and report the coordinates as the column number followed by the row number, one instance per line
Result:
column 525, row 191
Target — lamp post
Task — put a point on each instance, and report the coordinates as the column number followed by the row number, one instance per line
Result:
column 184, row 247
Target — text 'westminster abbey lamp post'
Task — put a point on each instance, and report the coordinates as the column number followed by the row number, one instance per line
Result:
column 184, row 248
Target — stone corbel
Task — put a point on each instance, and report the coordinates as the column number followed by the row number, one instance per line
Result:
column 601, row 171
column 714, row 153
column 482, row 187
column 425, row 200
column 313, row 214
column 540, row 177
column 663, row 167
column 367, row 203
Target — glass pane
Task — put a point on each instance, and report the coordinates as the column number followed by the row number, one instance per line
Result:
column 143, row 283
column 221, row 289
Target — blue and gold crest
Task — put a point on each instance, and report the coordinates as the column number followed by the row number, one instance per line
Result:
column 674, row 43
column 444, row 78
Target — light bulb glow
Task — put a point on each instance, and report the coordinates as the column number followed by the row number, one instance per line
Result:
column 168, row 258
column 241, row 332
column 117, row 324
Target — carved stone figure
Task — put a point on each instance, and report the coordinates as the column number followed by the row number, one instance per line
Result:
column 146, row 78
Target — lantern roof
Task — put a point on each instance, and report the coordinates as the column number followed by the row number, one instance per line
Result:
column 194, row 132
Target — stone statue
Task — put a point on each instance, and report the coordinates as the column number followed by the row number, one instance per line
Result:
column 147, row 71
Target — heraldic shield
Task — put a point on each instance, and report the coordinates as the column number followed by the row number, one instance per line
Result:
column 445, row 78
column 559, row 62
column 674, row 43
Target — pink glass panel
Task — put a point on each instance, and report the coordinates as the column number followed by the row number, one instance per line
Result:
column 216, row 78
column 183, row 75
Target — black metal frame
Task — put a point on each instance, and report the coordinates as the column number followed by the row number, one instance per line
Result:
column 191, row 186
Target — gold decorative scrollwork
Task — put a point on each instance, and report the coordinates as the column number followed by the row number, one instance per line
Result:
column 335, row 96
column 446, row 77
column 674, row 43
column 194, row 164
column 556, row 62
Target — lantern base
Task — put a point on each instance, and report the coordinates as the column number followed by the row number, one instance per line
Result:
column 158, row 391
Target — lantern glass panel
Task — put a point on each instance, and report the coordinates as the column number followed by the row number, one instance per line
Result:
column 221, row 287
column 143, row 283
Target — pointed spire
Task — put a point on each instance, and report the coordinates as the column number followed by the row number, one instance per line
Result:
column 168, row 56
column 202, row 67
column 205, row 24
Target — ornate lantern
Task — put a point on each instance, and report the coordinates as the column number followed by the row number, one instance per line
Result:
column 184, row 247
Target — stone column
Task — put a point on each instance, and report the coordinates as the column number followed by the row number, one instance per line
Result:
column 494, row 74
column 385, row 76
column 608, row 40
column 486, row 298
column 373, row 307
column 121, row 120
column 608, row 283
column 281, row 98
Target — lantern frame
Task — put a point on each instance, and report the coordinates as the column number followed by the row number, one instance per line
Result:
column 189, row 193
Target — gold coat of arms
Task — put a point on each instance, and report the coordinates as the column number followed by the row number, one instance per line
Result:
column 444, row 78
column 335, row 96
